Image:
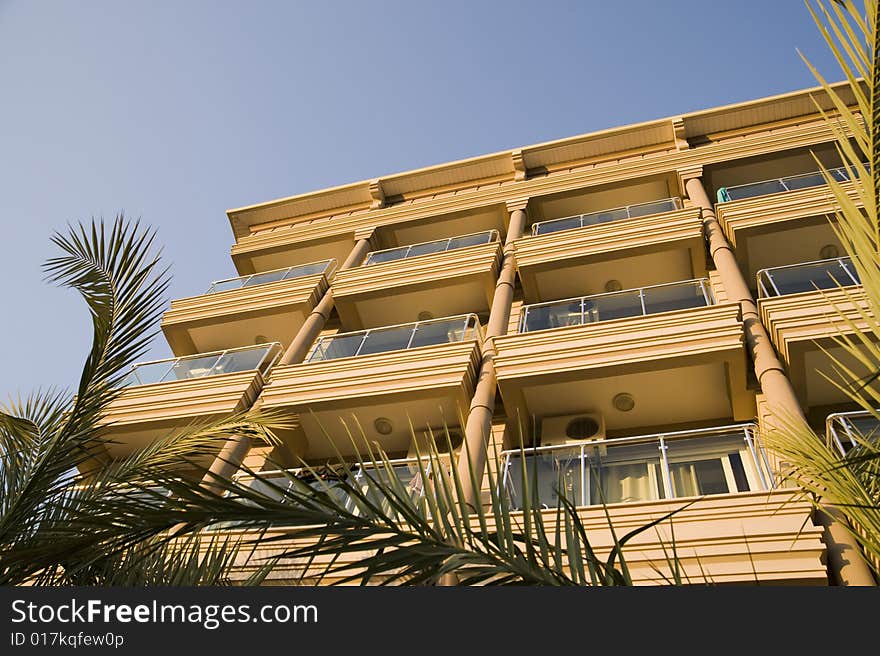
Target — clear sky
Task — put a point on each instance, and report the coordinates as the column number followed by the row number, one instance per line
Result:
column 177, row 111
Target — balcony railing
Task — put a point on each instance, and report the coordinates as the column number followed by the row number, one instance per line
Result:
column 606, row 216
column 616, row 305
column 722, row 460
column 777, row 185
column 409, row 478
column 397, row 338
column 260, row 357
column 845, row 430
column 429, row 247
column 807, row 277
column 299, row 271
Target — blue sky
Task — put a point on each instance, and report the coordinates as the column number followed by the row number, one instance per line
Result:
column 177, row 111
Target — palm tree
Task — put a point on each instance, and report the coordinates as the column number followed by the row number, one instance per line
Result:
column 55, row 524
column 849, row 482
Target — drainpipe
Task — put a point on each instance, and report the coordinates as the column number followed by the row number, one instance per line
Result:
column 236, row 448
column 479, row 419
column 845, row 559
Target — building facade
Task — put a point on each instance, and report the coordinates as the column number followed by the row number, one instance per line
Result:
column 633, row 302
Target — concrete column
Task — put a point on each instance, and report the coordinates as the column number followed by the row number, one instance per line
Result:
column 316, row 321
column 479, row 419
column 844, row 557
column 236, row 448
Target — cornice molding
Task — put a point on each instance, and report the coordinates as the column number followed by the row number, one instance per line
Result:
column 678, row 131
column 582, row 178
column 376, row 193
column 519, row 165
column 614, row 144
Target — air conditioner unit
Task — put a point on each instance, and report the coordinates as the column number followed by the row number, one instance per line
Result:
column 572, row 429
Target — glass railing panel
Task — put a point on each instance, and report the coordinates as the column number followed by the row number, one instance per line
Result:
column 804, row 181
column 605, row 216
column 613, row 306
column 544, row 317
column 192, row 368
column 312, row 269
column 281, row 485
column 427, row 248
column 226, row 285
column 788, row 183
column 272, row 486
column 558, row 225
column 826, row 274
column 842, row 174
column 549, row 475
column 756, row 189
column 667, row 298
column 263, row 278
column 242, row 360
column 147, row 374
column 408, row 474
column 253, row 280
column 616, row 305
column 275, row 485
column 846, row 430
column 338, row 346
column 387, row 339
column 472, row 240
column 431, row 334
column 469, row 329
column 655, row 207
column 396, row 338
column 259, row 358
column 379, row 257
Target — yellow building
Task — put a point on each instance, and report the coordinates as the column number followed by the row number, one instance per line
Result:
column 633, row 300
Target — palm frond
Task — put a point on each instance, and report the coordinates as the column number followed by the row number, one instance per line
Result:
column 847, row 482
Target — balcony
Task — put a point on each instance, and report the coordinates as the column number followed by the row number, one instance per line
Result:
column 807, row 277
column 616, row 305
column 282, row 246
column 783, row 228
column 430, row 247
column 432, row 279
column 263, row 307
column 380, row 380
column 674, row 465
column 799, row 305
column 164, row 395
column 738, row 529
column 630, row 247
column 781, row 185
column 606, row 216
column 409, row 473
column 848, row 430
column 631, row 369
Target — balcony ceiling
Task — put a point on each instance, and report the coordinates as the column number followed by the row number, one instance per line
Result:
column 636, row 252
column 444, row 284
column 272, row 312
column 685, row 366
column 426, row 385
